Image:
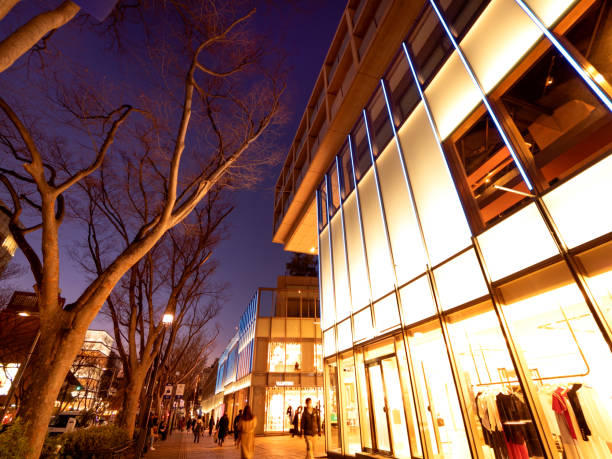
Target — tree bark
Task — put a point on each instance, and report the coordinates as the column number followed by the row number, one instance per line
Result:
column 19, row 42
column 58, row 347
column 132, row 400
column 6, row 6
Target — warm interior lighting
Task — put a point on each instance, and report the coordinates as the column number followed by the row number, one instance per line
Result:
column 312, row 250
column 23, row 314
column 167, row 319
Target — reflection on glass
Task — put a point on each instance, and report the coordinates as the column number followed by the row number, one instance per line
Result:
column 496, row 404
column 350, row 412
column 437, row 394
column 331, row 407
column 597, row 264
column 395, row 409
column 364, row 403
column 414, row 436
column 379, row 408
column 572, row 372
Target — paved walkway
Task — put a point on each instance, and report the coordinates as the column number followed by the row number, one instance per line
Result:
column 180, row 446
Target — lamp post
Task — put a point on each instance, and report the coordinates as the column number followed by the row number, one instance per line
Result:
column 142, row 434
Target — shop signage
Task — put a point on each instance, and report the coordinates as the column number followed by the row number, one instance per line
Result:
column 284, row 383
column 180, row 390
column 168, row 391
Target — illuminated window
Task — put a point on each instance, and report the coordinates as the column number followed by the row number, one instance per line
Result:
column 294, row 357
column 318, row 361
column 403, row 93
column 381, row 131
column 276, row 359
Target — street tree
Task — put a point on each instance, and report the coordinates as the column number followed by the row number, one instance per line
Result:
column 230, row 97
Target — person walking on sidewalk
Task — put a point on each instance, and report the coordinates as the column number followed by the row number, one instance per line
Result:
column 197, row 429
column 211, row 425
column 247, row 425
column 237, row 428
column 223, row 428
column 296, row 422
column 311, row 423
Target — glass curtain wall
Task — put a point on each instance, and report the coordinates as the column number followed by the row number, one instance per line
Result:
column 466, row 224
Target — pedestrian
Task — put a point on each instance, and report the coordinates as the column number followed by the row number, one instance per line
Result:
column 237, row 428
column 152, row 432
column 311, row 423
column 197, row 429
column 211, row 425
column 189, row 422
column 223, row 428
column 163, row 430
column 296, row 422
column 248, row 422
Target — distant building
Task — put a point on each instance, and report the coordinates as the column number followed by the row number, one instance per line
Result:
column 8, row 246
column 274, row 361
column 90, row 368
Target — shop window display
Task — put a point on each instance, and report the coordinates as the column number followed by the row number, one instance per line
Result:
column 350, row 412
column 331, row 407
column 597, row 264
column 496, row 404
column 437, row 393
column 318, row 360
column 276, row 359
column 364, row 404
column 294, row 357
column 275, row 409
column 571, row 374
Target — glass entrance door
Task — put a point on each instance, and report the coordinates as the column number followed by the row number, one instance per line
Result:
column 379, row 408
column 387, row 408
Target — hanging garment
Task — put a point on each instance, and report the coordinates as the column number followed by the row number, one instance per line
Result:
column 559, row 406
column 517, row 426
column 575, row 403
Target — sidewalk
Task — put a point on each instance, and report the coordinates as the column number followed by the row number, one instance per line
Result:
column 180, row 446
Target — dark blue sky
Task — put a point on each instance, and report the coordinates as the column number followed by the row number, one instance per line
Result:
column 302, row 29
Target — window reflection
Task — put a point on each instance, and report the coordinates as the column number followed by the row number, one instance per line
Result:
column 352, row 439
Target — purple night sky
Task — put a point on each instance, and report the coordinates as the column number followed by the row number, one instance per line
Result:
column 303, row 30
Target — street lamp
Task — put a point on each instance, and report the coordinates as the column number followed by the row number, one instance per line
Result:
column 167, row 320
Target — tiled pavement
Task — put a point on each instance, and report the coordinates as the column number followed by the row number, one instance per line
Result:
column 180, row 445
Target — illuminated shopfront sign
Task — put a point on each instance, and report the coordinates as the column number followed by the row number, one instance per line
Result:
column 284, row 383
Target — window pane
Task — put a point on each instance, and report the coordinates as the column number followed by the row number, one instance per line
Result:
column 276, row 357
column 361, row 149
column 417, row 301
column 549, row 10
column 576, row 205
column 360, row 284
column 572, row 371
column 346, row 168
column 488, row 168
column 332, row 174
column 293, row 359
column 597, row 264
column 318, row 363
column 329, row 342
column 508, row 33
column 490, row 385
column 350, row 412
column 275, row 409
column 385, row 313
column 430, row 45
column 381, row 131
column 345, row 336
column 520, row 241
column 460, row 14
column 331, row 407
column 460, row 280
column 404, row 233
column 377, row 247
column 437, row 394
column 343, row 300
column 322, row 205
column 444, row 224
column 364, row 402
column 414, row 436
column 403, row 93
column 563, row 123
column 362, row 321
column 327, row 295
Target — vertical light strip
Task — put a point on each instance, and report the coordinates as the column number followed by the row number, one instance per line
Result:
column 331, row 251
column 348, row 275
column 472, row 75
column 363, row 243
column 557, row 44
column 318, row 197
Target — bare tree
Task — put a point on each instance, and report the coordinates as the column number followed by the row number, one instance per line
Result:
column 232, row 100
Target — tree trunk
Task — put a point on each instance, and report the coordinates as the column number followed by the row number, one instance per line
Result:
column 53, row 358
column 132, row 400
column 6, row 6
column 19, row 42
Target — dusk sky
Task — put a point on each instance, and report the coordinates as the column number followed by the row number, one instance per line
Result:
column 303, row 30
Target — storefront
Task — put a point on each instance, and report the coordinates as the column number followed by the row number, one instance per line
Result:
column 281, row 401
column 465, row 241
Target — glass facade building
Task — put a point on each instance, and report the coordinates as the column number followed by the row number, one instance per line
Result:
column 275, row 359
column 465, row 238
